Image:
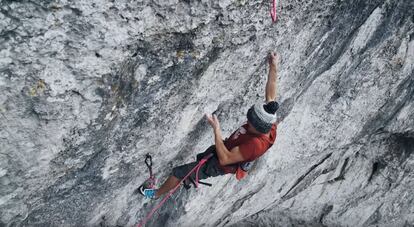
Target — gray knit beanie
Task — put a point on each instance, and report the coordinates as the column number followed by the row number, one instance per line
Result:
column 259, row 116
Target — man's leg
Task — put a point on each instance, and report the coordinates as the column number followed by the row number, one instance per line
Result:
column 169, row 184
column 178, row 173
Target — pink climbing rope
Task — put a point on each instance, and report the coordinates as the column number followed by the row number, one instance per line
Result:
column 196, row 168
column 202, row 161
column 273, row 11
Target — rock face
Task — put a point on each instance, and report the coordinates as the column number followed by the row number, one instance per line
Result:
column 87, row 88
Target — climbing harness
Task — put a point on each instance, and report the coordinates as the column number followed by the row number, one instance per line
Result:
column 273, row 13
column 196, row 169
column 197, row 181
column 190, row 180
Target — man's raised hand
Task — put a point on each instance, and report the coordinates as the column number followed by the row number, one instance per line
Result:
column 271, row 80
column 273, row 59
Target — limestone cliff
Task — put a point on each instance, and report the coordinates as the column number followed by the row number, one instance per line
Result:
column 87, row 88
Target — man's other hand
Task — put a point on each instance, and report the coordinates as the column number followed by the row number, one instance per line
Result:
column 213, row 121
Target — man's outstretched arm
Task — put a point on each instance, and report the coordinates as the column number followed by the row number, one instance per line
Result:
column 225, row 156
column 272, row 78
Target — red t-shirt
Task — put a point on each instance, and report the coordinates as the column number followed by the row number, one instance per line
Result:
column 251, row 146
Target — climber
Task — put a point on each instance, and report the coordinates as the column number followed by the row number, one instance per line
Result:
column 246, row 144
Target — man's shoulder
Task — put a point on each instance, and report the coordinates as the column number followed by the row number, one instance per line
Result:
column 257, row 142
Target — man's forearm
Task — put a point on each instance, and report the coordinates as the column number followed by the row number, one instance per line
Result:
column 271, row 84
column 221, row 149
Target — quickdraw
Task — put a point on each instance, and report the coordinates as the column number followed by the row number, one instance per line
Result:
column 151, row 181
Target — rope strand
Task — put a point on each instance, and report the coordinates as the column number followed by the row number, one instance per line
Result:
column 273, row 12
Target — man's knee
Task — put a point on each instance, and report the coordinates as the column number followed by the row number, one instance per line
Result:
column 176, row 173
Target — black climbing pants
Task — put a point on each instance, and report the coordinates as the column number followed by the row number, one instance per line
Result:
column 210, row 169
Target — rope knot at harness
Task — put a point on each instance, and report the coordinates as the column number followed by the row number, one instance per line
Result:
column 201, row 163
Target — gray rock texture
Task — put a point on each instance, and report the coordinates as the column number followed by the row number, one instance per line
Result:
column 87, row 88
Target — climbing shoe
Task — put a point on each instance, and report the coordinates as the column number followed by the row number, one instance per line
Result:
column 147, row 192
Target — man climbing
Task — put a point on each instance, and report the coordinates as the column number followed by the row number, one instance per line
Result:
column 246, row 144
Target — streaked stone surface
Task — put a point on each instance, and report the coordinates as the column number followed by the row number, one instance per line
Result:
column 87, row 88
